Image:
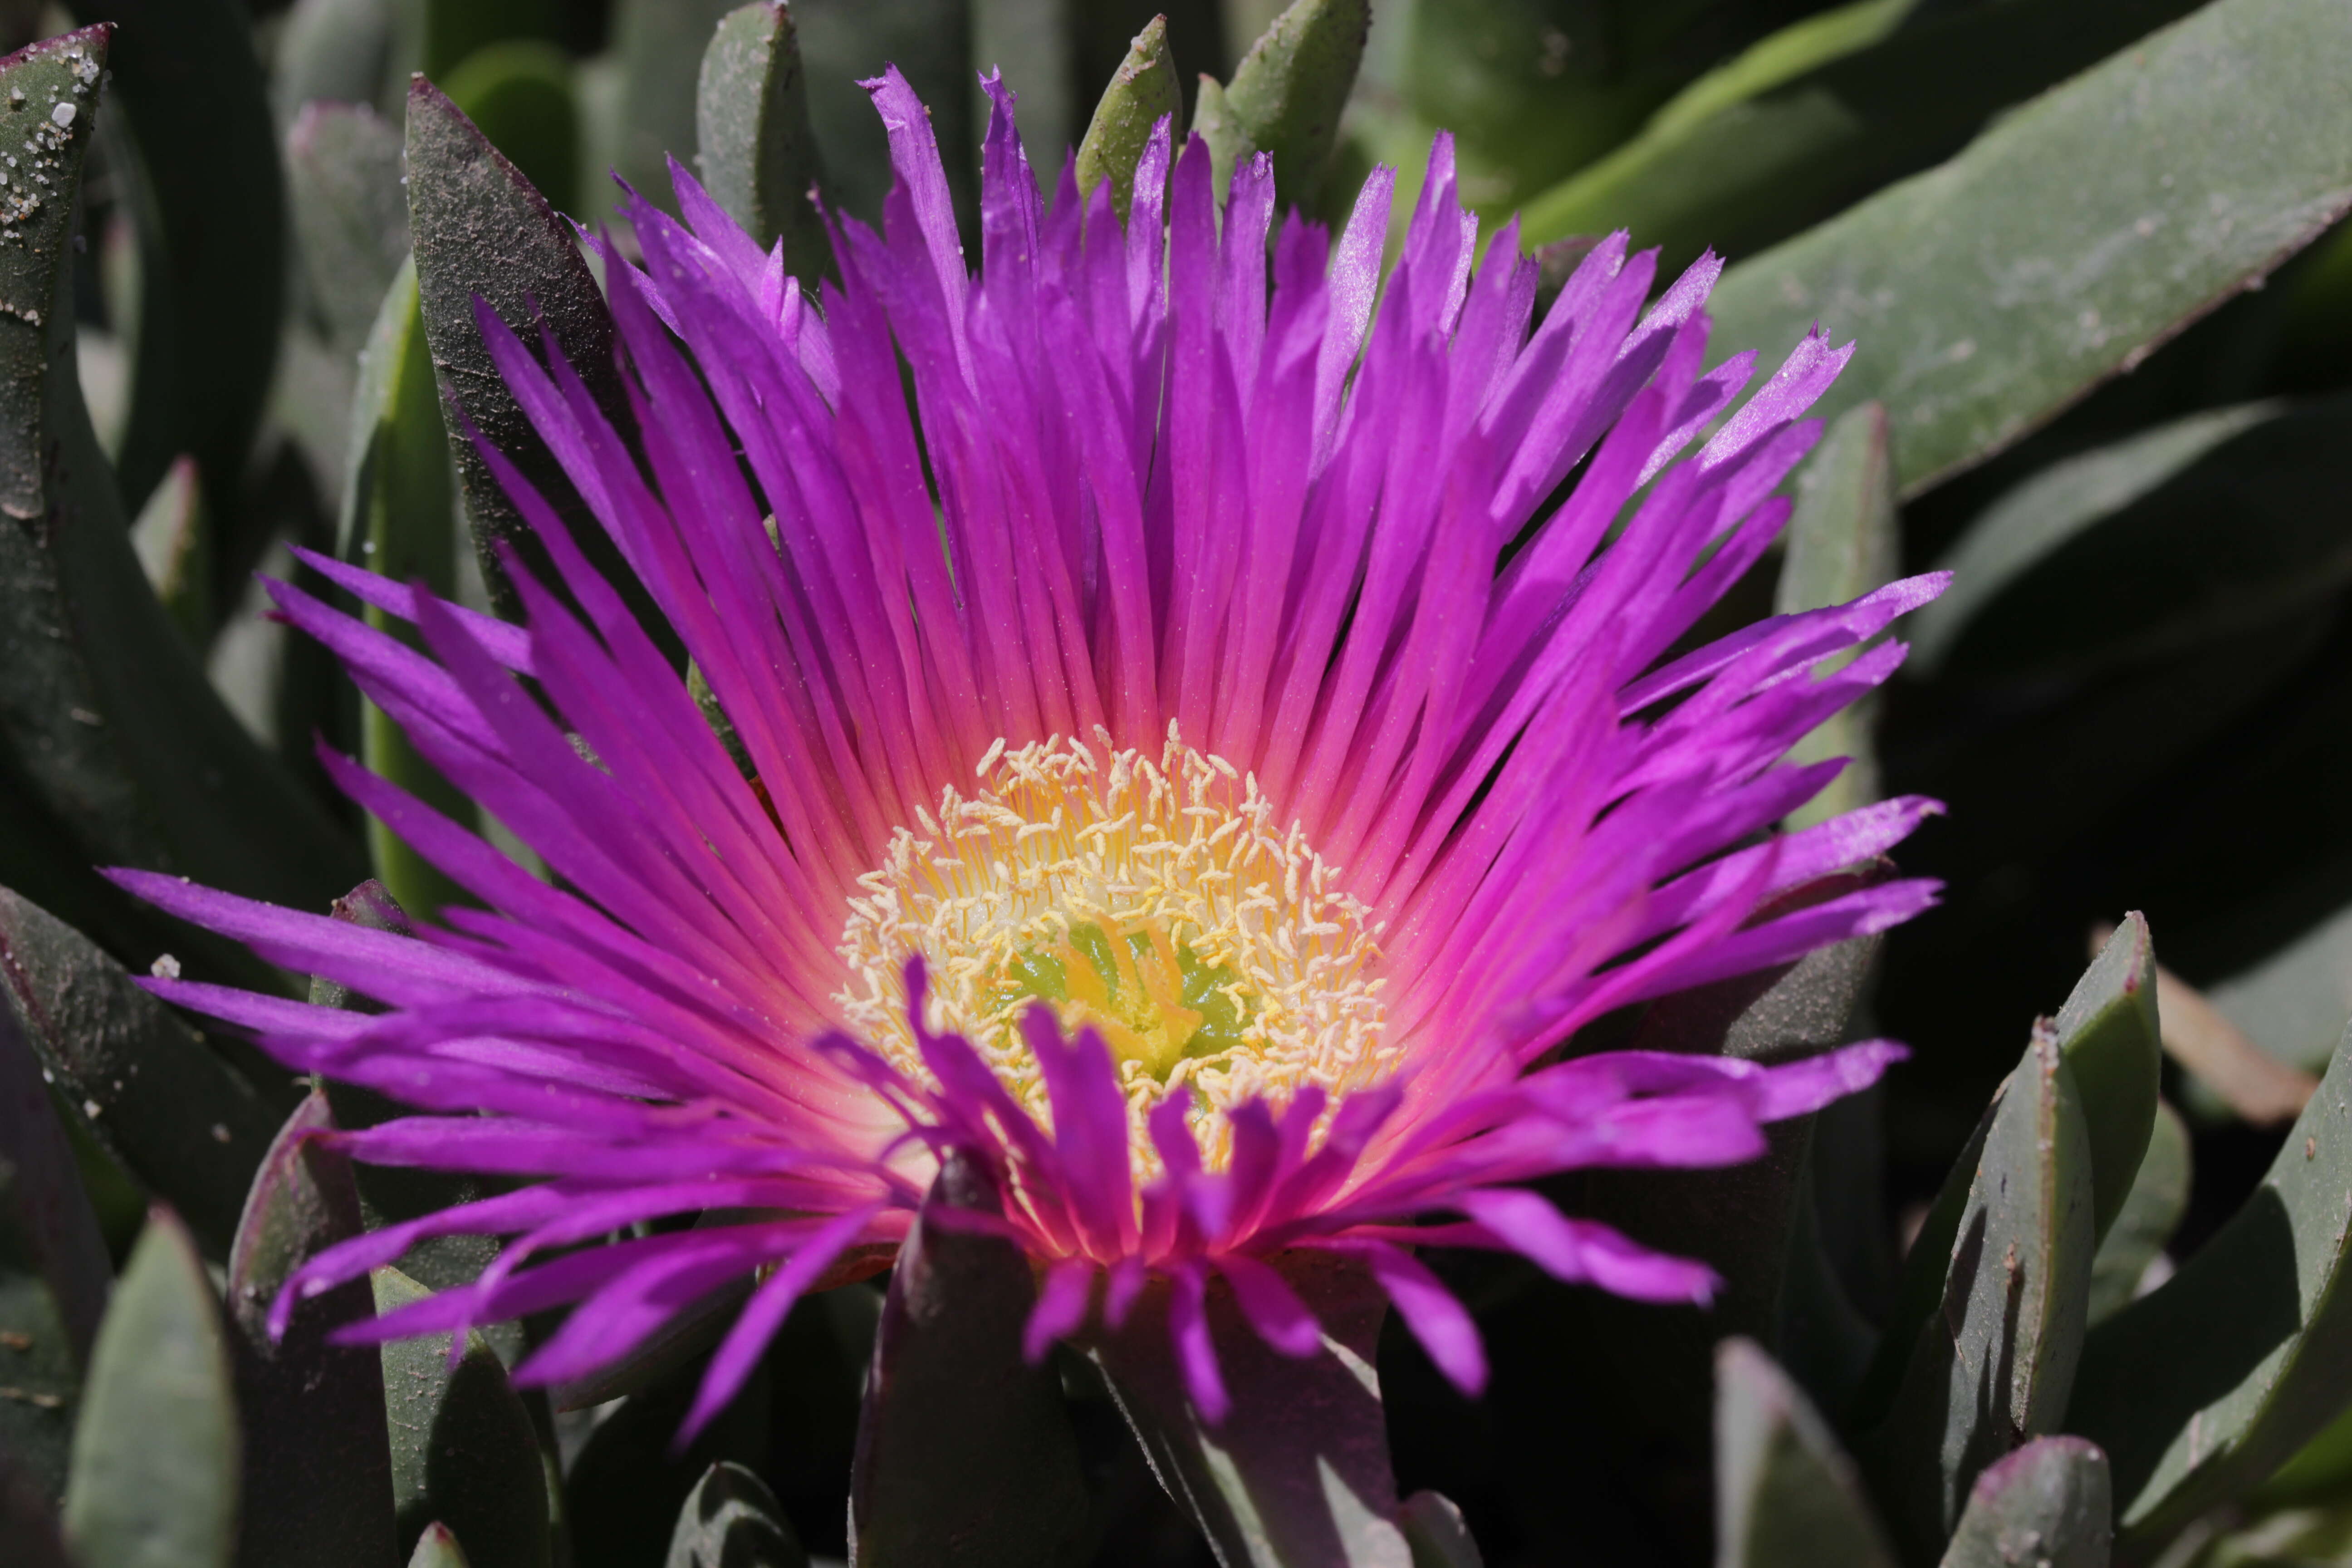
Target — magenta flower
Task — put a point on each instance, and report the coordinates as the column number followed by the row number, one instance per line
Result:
column 1202, row 764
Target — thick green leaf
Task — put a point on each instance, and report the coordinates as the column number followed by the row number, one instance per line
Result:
column 2046, row 1504
column 105, row 717
column 2107, row 1028
column 1785, row 1492
column 437, row 1548
column 1285, row 96
column 965, row 1450
column 1843, row 539
column 174, row 539
column 1994, row 1367
column 2151, row 1212
column 155, row 1450
column 340, row 50
column 2042, row 516
column 1297, row 1474
column 351, row 215
column 51, row 1213
column 2253, row 1333
column 1142, row 93
column 1827, row 109
column 2072, row 237
column 757, row 154
column 731, row 1520
column 317, row 1466
column 1435, row 1530
column 519, row 93
column 186, row 73
column 27, row 1523
column 478, row 228
column 844, row 42
column 463, row 1449
column 158, row 1098
column 398, row 520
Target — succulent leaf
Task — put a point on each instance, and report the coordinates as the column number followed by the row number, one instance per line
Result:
column 464, row 1451
column 437, row 1548
column 1297, row 1474
column 103, row 707
column 191, row 86
column 156, row 1449
column 336, row 51
column 2155, row 163
column 397, row 519
column 2047, row 1504
column 1435, row 1530
column 731, row 1520
column 963, row 1449
column 480, row 229
column 1142, row 93
column 1285, row 96
column 2251, row 1329
column 44, row 1207
column 2151, row 1212
column 172, row 537
column 318, row 1464
column 1843, row 539
column 758, row 153
column 1786, row 1494
column 1994, row 1365
column 351, row 215
column 1843, row 101
column 2107, row 1029
column 155, row 1094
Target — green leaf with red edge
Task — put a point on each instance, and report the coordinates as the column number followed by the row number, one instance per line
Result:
column 2047, row 1504
column 155, row 1096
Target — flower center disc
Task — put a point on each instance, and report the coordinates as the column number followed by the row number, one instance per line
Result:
column 1151, row 900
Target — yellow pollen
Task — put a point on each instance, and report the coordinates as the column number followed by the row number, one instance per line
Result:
column 1153, row 900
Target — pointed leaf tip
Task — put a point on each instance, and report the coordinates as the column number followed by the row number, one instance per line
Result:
column 732, row 1521
column 155, row 1452
column 1143, row 91
column 1286, row 95
column 759, row 154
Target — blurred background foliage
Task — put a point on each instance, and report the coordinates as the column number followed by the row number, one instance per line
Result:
column 2138, row 698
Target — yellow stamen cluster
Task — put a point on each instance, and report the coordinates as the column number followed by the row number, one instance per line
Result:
column 1153, row 901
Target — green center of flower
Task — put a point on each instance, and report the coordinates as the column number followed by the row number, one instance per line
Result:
column 1151, row 900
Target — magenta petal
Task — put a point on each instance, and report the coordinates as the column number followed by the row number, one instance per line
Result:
column 1443, row 1327
column 748, row 1339
column 1196, row 1356
column 1581, row 1252
column 1271, row 1306
column 1061, row 1307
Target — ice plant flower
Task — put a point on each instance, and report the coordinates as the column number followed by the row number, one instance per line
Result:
column 1203, row 754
